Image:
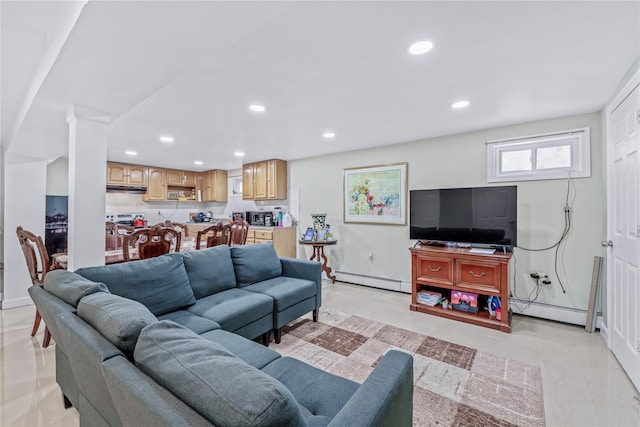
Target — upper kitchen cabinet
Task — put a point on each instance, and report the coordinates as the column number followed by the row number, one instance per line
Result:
column 157, row 188
column 264, row 180
column 213, row 186
column 126, row 174
column 178, row 178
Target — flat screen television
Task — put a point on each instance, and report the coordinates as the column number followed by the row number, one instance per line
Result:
column 480, row 216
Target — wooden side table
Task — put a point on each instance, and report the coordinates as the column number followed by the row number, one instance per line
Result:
column 318, row 254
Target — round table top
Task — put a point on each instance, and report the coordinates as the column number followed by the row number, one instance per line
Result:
column 318, row 242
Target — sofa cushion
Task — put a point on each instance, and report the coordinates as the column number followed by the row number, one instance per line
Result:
column 321, row 393
column 254, row 263
column 197, row 324
column 118, row 319
column 285, row 291
column 233, row 308
column 210, row 270
column 71, row 287
column 160, row 283
column 214, row 382
column 256, row 355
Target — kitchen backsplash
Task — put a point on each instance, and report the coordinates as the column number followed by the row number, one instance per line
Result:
column 156, row 212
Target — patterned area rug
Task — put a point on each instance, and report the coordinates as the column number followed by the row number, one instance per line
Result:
column 454, row 385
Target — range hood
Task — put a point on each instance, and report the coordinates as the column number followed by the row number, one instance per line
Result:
column 126, row 189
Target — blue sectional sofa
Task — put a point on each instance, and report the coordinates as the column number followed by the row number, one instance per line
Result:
column 169, row 341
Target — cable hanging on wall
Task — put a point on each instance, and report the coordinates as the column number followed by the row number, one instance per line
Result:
column 556, row 246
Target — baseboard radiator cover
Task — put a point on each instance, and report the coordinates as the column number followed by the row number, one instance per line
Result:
column 374, row 282
column 558, row 313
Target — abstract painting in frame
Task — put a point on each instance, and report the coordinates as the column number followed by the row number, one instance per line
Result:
column 376, row 194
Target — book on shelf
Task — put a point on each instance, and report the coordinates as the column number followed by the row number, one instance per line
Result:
column 427, row 297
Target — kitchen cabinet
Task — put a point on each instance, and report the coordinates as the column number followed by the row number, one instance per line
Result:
column 264, row 180
column 213, row 186
column 283, row 239
column 178, row 178
column 126, row 174
column 157, row 188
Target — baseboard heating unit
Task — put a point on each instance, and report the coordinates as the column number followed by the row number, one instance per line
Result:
column 374, row 282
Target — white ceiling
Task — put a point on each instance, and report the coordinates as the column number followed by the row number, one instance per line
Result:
column 190, row 69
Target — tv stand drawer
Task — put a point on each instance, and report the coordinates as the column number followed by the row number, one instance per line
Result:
column 433, row 269
column 478, row 276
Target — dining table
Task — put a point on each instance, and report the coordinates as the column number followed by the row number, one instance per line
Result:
column 115, row 256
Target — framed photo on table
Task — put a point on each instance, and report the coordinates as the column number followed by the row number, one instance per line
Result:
column 321, row 235
column 376, row 194
column 309, row 234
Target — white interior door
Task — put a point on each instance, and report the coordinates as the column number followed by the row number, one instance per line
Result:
column 623, row 196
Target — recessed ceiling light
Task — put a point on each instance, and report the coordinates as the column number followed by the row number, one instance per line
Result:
column 460, row 104
column 166, row 138
column 238, row 154
column 329, row 135
column 257, row 108
column 421, row 47
column 198, row 162
column 131, row 153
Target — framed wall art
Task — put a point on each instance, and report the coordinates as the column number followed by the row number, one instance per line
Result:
column 376, row 194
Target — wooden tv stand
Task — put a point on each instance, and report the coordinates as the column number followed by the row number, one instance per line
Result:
column 448, row 269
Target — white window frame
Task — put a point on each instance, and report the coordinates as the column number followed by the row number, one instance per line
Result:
column 578, row 139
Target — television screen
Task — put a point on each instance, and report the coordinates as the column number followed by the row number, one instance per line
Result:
column 480, row 215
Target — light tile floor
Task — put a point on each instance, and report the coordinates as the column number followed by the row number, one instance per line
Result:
column 583, row 384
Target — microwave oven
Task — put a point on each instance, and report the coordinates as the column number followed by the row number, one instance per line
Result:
column 172, row 195
column 260, row 218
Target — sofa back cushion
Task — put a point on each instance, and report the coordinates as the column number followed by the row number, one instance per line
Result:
column 210, row 270
column 161, row 284
column 212, row 381
column 255, row 263
column 71, row 287
column 118, row 319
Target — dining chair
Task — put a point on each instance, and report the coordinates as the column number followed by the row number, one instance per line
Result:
column 215, row 235
column 114, row 233
column 37, row 258
column 182, row 228
column 239, row 230
column 151, row 242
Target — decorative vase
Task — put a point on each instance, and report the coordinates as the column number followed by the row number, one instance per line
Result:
column 319, row 220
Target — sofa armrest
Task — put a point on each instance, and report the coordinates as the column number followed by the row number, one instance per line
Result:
column 140, row 401
column 385, row 398
column 49, row 306
column 303, row 269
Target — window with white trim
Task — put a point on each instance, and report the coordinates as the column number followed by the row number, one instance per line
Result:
column 548, row 156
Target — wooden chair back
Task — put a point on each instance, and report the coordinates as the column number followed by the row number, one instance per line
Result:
column 35, row 254
column 37, row 258
column 182, row 228
column 239, row 232
column 114, row 235
column 151, row 242
column 215, row 235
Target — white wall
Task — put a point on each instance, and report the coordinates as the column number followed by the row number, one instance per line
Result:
column 460, row 161
column 58, row 177
column 24, row 182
